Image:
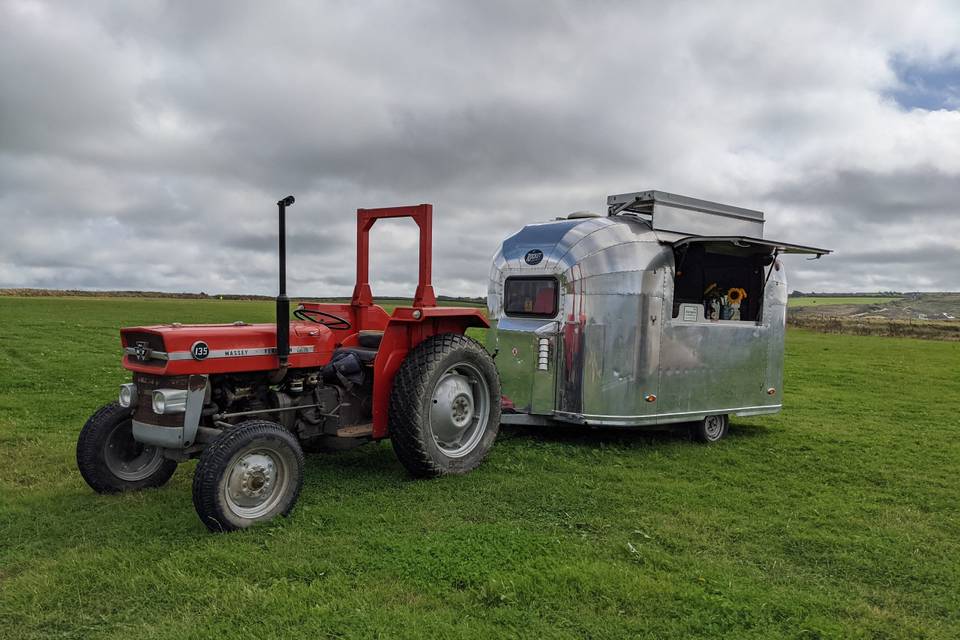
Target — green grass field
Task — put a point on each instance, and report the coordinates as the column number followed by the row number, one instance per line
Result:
column 827, row 301
column 836, row 519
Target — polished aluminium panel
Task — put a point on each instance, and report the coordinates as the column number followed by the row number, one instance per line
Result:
column 691, row 216
column 606, row 346
column 710, row 366
column 519, row 344
column 617, row 357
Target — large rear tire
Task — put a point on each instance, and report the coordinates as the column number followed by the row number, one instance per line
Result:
column 251, row 473
column 112, row 461
column 445, row 406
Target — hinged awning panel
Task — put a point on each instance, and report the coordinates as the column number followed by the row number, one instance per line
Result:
column 745, row 242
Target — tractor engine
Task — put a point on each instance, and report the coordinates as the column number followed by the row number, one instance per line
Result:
column 317, row 405
column 192, row 381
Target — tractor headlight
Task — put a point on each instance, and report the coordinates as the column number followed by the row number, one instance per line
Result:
column 128, row 395
column 169, row 401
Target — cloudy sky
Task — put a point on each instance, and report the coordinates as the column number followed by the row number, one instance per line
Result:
column 143, row 144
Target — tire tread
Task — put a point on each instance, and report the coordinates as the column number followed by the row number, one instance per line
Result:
column 89, row 456
column 214, row 459
column 407, row 402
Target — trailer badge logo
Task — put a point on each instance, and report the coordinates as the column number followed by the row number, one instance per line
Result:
column 534, row 256
column 199, row 350
column 140, row 350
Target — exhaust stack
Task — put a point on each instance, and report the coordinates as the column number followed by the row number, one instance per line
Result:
column 283, row 303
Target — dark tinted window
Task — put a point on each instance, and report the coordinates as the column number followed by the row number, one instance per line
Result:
column 534, row 297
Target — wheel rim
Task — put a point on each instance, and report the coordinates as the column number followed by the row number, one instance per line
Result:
column 713, row 427
column 128, row 459
column 256, row 483
column 459, row 410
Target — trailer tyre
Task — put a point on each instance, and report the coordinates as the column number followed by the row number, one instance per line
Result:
column 251, row 473
column 445, row 406
column 111, row 461
column 710, row 429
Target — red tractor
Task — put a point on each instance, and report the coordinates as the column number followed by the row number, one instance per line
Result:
column 248, row 399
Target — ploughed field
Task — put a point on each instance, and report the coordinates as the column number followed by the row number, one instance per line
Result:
column 837, row 518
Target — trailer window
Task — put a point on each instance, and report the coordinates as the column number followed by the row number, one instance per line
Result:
column 533, row 297
column 726, row 281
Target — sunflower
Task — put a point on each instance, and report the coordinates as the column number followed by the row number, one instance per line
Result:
column 735, row 295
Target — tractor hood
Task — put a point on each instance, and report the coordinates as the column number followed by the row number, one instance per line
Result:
column 183, row 349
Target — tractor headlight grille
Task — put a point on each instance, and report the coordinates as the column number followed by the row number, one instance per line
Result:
column 128, row 395
column 147, row 384
column 169, row 401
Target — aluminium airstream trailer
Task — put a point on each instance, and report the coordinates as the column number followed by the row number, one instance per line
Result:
column 669, row 309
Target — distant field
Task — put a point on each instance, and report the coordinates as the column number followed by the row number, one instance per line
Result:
column 835, row 519
column 830, row 300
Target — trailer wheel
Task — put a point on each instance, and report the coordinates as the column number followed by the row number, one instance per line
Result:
column 445, row 406
column 251, row 473
column 111, row 461
column 710, row 429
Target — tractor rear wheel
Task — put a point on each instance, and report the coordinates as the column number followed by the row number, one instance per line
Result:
column 111, row 461
column 445, row 406
column 251, row 473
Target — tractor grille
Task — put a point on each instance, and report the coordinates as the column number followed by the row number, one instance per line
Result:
column 149, row 343
column 146, row 385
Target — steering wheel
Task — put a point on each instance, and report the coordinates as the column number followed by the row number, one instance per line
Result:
column 308, row 315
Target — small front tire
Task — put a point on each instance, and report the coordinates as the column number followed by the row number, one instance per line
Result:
column 112, row 461
column 251, row 473
column 710, row 429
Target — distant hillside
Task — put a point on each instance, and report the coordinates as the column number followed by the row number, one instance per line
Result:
column 918, row 315
column 910, row 306
column 71, row 293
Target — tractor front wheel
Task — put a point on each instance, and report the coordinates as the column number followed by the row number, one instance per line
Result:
column 112, row 461
column 251, row 473
column 445, row 406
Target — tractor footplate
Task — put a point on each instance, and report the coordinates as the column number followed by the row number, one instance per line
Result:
column 356, row 431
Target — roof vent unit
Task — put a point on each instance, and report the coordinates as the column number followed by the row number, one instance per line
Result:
column 579, row 215
column 680, row 214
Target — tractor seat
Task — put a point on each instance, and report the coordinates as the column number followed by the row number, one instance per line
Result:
column 366, row 356
column 370, row 339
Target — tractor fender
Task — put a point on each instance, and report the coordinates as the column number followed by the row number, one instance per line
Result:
column 406, row 328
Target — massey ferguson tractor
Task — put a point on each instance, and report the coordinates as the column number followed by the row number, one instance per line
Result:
column 248, row 399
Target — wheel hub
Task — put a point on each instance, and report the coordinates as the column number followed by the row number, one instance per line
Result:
column 257, row 479
column 128, row 459
column 252, row 483
column 459, row 410
column 713, row 425
column 462, row 410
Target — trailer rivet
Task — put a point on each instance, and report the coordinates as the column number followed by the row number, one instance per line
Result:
column 771, row 391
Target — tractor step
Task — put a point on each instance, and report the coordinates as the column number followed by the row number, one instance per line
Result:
column 355, row 431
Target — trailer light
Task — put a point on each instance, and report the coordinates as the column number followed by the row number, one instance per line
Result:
column 543, row 355
column 771, row 391
column 650, row 397
column 128, row 395
column 169, row 401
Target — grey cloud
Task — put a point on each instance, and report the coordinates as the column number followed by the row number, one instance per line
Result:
column 142, row 145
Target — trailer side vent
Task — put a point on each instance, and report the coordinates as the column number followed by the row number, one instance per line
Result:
column 543, row 357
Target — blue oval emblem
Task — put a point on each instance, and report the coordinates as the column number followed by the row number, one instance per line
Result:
column 534, row 256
